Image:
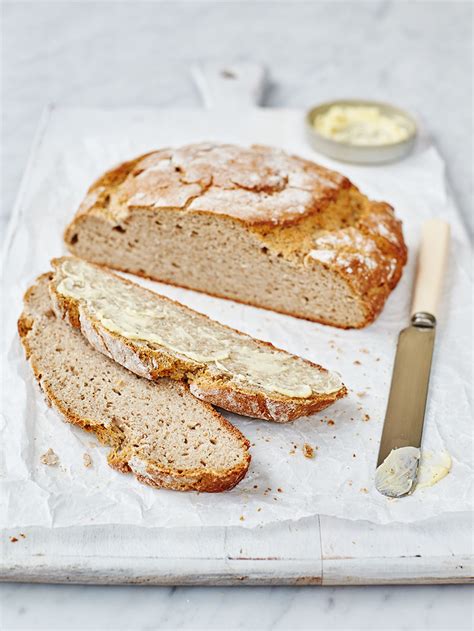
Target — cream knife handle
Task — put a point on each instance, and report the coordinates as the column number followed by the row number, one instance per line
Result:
column 432, row 261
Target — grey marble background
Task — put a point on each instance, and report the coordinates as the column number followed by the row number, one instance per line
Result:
column 416, row 54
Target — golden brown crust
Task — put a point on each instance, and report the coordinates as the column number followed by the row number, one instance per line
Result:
column 154, row 364
column 158, row 476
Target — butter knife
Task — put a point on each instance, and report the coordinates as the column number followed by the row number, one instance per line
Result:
column 399, row 455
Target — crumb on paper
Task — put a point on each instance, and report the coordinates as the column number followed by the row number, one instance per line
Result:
column 354, row 456
column 87, row 460
column 357, row 362
column 258, row 510
column 279, row 490
column 364, row 350
column 22, row 535
column 242, row 518
column 331, row 422
column 361, row 394
column 308, row 451
column 364, row 490
column 50, row 458
column 13, row 539
column 377, row 359
column 255, row 486
column 291, row 452
column 366, row 417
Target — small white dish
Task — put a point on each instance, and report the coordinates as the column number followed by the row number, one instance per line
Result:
column 361, row 153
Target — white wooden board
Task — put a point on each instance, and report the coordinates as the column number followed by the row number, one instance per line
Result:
column 320, row 550
column 315, row 551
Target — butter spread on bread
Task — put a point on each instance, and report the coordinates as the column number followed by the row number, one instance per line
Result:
column 155, row 337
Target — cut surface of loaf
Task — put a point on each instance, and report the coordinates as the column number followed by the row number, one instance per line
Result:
column 254, row 225
column 154, row 337
column 159, row 431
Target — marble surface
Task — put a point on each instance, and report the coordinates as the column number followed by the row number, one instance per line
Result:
column 65, row 607
column 418, row 55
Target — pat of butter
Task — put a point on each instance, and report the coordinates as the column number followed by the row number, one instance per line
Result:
column 125, row 309
column 361, row 125
column 433, row 468
column 407, row 469
column 396, row 475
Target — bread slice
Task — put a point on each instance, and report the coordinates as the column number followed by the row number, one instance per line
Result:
column 156, row 337
column 254, row 225
column 158, row 431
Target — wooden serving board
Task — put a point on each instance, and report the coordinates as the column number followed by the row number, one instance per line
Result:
column 317, row 550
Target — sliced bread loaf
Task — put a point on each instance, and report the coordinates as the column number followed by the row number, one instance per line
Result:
column 252, row 224
column 160, row 432
column 154, row 337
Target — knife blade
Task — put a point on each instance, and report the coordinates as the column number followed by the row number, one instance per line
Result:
column 399, row 454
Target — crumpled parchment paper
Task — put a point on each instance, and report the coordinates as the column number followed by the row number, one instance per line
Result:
column 76, row 146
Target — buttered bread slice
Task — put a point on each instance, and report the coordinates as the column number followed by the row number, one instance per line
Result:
column 253, row 224
column 158, row 431
column 156, row 337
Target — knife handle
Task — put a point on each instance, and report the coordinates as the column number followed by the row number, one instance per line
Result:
column 432, row 261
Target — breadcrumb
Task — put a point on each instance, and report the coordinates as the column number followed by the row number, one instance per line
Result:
column 13, row 539
column 87, row 460
column 331, row 422
column 50, row 458
column 308, row 451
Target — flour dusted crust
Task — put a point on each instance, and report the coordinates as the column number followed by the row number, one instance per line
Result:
column 258, row 185
column 308, row 216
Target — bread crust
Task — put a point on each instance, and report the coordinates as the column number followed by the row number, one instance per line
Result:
column 155, row 364
column 371, row 275
column 156, row 475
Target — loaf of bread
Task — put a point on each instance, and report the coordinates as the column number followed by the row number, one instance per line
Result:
column 254, row 225
column 159, row 431
column 156, row 337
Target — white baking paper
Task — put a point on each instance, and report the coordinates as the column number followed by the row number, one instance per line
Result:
column 282, row 484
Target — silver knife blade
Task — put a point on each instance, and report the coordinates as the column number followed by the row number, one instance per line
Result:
column 404, row 418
